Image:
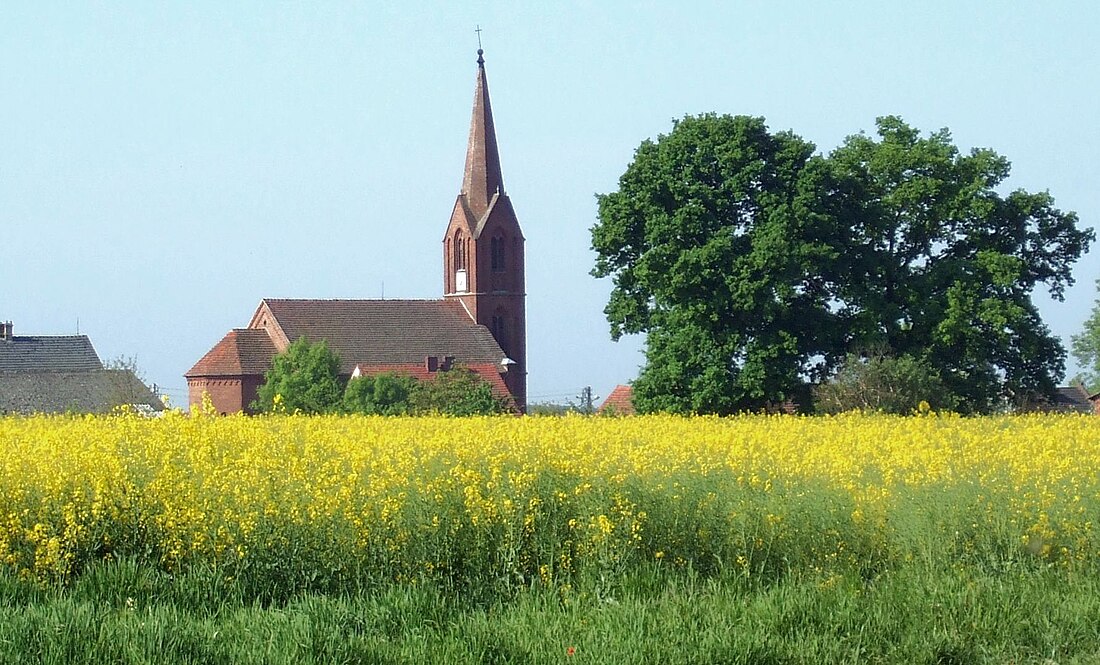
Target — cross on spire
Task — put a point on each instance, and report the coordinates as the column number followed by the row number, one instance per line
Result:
column 478, row 31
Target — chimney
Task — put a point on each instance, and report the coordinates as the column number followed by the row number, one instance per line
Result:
column 5, row 331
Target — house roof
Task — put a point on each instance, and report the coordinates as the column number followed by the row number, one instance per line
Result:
column 62, row 353
column 620, row 401
column 489, row 373
column 243, row 351
column 88, row 391
column 381, row 332
column 1072, row 398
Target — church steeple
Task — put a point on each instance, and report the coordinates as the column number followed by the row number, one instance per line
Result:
column 482, row 178
column 483, row 256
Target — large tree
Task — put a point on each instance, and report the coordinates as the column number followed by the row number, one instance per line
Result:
column 754, row 266
column 941, row 266
column 1086, row 347
column 720, row 251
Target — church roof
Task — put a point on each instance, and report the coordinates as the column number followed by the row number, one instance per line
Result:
column 94, row 391
column 242, row 352
column 62, row 353
column 375, row 332
column 482, row 177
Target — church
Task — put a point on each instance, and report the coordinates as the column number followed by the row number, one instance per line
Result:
column 479, row 323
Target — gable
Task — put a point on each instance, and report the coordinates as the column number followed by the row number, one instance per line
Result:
column 500, row 214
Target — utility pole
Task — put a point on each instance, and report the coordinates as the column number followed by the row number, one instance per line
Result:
column 587, row 398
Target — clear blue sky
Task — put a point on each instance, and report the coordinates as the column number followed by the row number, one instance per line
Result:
column 165, row 165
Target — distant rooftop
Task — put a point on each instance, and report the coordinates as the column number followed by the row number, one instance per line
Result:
column 42, row 353
column 95, row 391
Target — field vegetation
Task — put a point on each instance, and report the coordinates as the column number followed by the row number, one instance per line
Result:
column 930, row 538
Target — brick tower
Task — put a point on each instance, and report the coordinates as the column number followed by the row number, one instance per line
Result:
column 483, row 246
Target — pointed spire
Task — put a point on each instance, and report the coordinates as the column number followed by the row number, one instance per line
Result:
column 482, row 178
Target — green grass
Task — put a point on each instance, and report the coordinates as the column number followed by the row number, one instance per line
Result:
column 124, row 613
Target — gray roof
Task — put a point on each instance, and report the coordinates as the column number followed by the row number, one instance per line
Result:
column 388, row 331
column 94, row 391
column 67, row 353
column 1072, row 398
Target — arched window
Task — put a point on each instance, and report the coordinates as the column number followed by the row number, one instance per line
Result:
column 460, row 252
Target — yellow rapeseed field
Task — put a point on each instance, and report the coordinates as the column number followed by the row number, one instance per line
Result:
column 332, row 501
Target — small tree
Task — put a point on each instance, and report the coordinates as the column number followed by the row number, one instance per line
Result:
column 883, row 384
column 457, row 392
column 306, row 378
column 1086, row 348
column 383, row 394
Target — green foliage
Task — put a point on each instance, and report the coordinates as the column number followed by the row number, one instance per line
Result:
column 306, row 379
column 940, row 265
column 550, row 409
column 881, row 383
column 383, row 394
column 1086, row 347
column 754, row 266
column 457, row 392
column 912, row 615
column 719, row 250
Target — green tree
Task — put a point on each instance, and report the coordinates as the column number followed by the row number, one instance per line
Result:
column 880, row 383
column 721, row 250
column 1086, row 347
column 457, row 392
column 754, row 266
column 383, row 394
column 939, row 265
column 306, row 377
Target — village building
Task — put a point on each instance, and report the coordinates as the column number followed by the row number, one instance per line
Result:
column 619, row 403
column 479, row 323
column 63, row 374
column 1070, row 399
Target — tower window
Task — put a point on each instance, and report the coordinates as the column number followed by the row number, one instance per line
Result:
column 496, row 246
column 460, row 252
column 500, row 334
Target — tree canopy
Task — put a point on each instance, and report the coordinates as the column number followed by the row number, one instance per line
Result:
column 719, row 251
column 306, row 378
column 383, row 394
column 755, row 266
column 1086, row 347
column 457, row 392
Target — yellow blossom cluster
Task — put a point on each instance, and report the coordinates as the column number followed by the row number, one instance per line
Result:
column 504, row 501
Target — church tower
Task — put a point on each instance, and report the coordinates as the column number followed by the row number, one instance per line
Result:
column 483, row 246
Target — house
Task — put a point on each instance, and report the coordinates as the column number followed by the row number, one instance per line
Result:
column 619, row 403
column 63, row 374
column 479, row 323
column 1072, row 399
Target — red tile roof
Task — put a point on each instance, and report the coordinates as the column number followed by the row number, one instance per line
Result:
column 242, row 352
column 488, row 372
column 619, row 402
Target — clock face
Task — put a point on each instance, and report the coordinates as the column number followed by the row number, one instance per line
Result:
column 460, row 281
